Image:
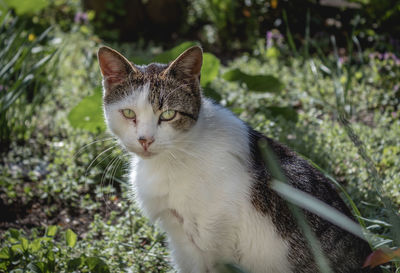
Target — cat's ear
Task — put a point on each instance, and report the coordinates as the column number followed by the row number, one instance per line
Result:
column 187, row 65
column 114, row 67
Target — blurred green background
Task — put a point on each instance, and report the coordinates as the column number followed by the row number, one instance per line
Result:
column 320, row 76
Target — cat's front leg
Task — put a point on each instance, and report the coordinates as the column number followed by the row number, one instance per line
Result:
column 186, row 257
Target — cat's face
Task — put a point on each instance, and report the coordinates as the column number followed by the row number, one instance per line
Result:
column 151, row 108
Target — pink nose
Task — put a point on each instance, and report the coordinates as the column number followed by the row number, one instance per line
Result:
column 145, row 142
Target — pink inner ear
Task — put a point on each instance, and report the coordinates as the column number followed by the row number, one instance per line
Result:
column 189, row 63
column 112, row 68
column 113, row 80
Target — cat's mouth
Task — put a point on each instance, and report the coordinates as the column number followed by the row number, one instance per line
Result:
column 143, row 153
column 146, row 154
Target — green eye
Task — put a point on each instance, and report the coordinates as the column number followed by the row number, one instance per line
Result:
column 167, row 115
column 128, row 113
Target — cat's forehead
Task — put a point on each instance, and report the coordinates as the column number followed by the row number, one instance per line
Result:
column 152, row 70
column 150, row 76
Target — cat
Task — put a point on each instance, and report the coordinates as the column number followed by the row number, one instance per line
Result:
column 197, row 170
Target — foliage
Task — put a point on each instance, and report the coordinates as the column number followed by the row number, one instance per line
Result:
column 260, row 83
column 88, row 113
column 383, row 14
column 48, row 253
column 229, row 24
column 22, row 7
column 22, row 83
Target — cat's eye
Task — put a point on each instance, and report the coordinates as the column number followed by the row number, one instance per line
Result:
column 167, row 115
column 128, row 113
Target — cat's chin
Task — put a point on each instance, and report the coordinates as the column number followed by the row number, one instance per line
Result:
column 140, row 152
column 145, row 154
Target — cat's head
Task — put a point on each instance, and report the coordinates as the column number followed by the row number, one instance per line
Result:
column 149, row 108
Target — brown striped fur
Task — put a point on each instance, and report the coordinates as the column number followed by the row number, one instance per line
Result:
column 175, row 86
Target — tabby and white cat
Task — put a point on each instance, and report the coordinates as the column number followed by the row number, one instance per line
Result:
column 197, row 171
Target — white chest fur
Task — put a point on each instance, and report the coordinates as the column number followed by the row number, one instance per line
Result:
column 199, row 193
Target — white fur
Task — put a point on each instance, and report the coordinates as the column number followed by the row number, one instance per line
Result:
column 197, row 187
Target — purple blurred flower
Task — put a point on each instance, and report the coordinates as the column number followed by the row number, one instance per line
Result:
column 385, row 56
column 1, row 87
column 81, row 17
column 274, row 37
column 388, row 55
column 375, row 55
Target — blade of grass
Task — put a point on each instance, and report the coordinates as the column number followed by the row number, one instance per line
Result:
column 11, row 62
column 307, row 36
column 353, row 205
column 316, row 206
column 320, row 259
column 289, row 33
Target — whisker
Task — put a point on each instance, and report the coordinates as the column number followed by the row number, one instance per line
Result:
column 104, row 177
column 91, row 143
column 94, row 160
column 114, row 172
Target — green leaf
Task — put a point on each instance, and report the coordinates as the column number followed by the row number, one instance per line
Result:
column 210, row 68
column 5, row 253
column 3, row 266
column 17, row 248
column 286, row 112
column 50, row 257
column 27, row 6
column 96, row 264
column 71, row 238
column 173, row 53
column 88, row 114
column 51, row 231
column 14, row 233
column 36, row 267
column 259, row 83
column 140, row 60
column 211, row 93
column 24, row 243
column 76, row 263
column 35, row 245
column 92, row 262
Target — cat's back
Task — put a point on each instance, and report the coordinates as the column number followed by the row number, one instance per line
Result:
column 345, row 251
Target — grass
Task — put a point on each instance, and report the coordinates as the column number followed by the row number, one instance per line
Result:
column 74, row 179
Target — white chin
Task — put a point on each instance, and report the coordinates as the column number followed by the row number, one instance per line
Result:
column 141, row 153
column 146, row 154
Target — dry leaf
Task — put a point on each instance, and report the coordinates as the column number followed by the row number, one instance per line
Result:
column 381, row 256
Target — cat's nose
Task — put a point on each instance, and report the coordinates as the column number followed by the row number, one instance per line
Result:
column 145, row 142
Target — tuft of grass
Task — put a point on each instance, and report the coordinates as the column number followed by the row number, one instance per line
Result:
column 23, row 59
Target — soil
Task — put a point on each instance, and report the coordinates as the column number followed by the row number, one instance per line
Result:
column 19, row 214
